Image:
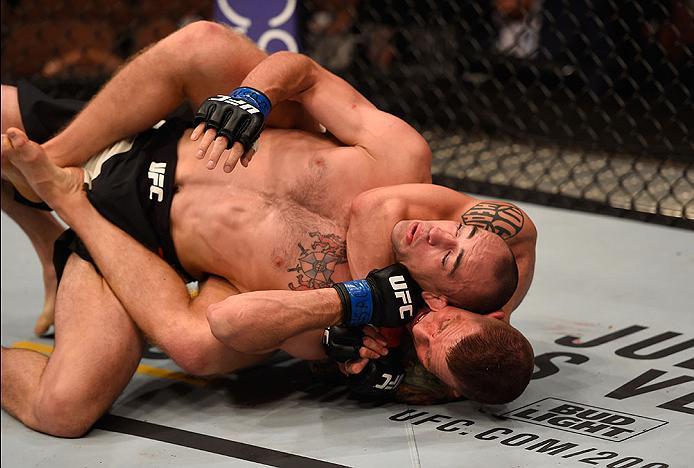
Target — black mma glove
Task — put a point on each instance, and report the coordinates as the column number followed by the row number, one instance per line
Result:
column 386, row 298
column 342, row 343
column 238, row 117
column 380, row 378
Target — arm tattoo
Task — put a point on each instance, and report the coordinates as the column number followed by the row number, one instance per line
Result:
column 502, row 219
column 316, row 265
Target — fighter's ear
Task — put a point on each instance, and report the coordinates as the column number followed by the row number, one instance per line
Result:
column 434, row 301
column 499, row 315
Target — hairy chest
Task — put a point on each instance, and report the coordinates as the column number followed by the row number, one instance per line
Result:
column 264, row 242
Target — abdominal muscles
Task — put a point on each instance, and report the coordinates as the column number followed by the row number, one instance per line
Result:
column 258, row 242
column 279, row 223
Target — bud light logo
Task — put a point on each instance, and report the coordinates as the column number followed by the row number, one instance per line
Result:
column 584, row 419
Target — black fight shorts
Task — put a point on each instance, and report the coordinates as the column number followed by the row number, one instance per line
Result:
column 131, row 183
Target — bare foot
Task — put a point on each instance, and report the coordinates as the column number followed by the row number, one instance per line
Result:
column 59, row 187
column 13, row 175
column 46, row 319
column 42, row 229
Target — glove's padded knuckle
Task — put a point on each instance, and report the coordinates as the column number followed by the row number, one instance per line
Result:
column 379, row 379
column 343, row 343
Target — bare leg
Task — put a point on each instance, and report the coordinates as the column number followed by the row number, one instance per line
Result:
column 40, row 226
column 42, row 229
column 151, row 291
column 97, row 349
column 195, row 62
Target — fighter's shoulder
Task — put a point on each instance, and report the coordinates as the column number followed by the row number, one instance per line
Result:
column 504, row 218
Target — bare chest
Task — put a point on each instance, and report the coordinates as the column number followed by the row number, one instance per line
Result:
column 259, row 243
column 279, row 223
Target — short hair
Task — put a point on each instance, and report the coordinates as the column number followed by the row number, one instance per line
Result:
column 504, row 274
column 493, row 366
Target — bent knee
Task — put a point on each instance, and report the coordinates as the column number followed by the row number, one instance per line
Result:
column 67, row 412
column 194, row 361
column 205, row 33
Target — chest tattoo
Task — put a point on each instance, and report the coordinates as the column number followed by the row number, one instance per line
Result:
column 502, row 219
column 317, row 263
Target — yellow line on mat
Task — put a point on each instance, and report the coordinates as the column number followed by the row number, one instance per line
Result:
column 141, row 369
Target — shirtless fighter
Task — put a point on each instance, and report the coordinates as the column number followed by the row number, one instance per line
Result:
column 227, row 224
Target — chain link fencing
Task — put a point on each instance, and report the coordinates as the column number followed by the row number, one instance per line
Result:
column 584, row 104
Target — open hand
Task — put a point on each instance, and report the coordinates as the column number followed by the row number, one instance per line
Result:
column 230, row 125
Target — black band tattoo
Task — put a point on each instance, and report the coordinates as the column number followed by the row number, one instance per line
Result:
column 317, row 264
column 501, row 218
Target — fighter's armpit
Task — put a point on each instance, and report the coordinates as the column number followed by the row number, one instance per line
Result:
column 504, row 219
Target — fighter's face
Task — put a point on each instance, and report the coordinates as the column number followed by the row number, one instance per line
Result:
column 435, row 332
column 441, row 255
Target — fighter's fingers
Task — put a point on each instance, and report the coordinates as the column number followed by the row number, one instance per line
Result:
column 356, row 366
column 199, row 130
column 214, row 153
column 205, row 143
column 372, row 345
column 367, row 353
column 247, row 156
column 233, row 157
column 374, row 334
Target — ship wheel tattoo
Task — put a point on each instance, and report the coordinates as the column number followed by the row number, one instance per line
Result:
column 317, row 263
column 500, row 218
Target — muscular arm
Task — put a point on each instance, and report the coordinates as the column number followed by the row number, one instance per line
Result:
column 262, row 321
column 150, row 290
column 158, row 301
column 383, row 207
column 197, row 61
column 523, row 248
column 368, row 248
column 519, row 232
column 393, row 144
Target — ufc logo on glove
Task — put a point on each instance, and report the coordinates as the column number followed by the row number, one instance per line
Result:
column 389, row 383
column 399, row 285
column 236, row 102
column 386, row 298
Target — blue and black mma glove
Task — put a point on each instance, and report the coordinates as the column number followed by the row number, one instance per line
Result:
column 380, row 378
column 238, row 117
column 388, row 297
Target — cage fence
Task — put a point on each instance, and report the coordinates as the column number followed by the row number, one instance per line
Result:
column 584, row 104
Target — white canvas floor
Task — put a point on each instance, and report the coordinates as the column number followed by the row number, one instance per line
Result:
column 595, row 276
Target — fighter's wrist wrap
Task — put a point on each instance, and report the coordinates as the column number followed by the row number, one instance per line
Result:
column 387, row 297
column 254, row 97
column 357, row 302
column 238, row 117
